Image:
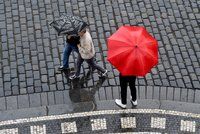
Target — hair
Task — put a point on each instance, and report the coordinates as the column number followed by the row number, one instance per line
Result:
column 83, row 30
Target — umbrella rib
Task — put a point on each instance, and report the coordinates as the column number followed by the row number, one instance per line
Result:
column 121, row 41
column 119, row 53
column 149, row 54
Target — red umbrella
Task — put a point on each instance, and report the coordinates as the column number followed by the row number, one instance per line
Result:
column 132, row 50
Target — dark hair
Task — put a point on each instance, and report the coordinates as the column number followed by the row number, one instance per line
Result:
column 83, row 30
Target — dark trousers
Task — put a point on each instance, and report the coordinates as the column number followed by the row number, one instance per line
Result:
column 90, row 62
column 124, row 81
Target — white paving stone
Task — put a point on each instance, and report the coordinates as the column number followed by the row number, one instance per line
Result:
column 128, row 122
column 98, row 124
column 39, row 129
column 9, row 131
column 188, row 126
column 157, row 122
column 68, row 127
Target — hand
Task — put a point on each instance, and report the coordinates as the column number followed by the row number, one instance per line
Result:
column 78, row 45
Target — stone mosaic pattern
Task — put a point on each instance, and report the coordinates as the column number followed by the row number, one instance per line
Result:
column 9, row 131
column 98, row 124
column 145, row 121
column 68, row 127
column 31, row 50
column 38, row 129
column 188, row 126
column 128, row 122
column 158, row 122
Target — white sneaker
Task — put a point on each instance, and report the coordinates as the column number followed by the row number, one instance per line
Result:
column 119, row 103
column 104, row 74
column 134, row 102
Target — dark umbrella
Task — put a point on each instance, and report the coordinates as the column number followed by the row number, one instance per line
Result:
column 68, row 25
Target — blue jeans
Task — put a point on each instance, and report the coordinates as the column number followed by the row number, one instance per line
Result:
column 66, row 53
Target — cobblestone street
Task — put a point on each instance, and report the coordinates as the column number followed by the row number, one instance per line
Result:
column 31, row 52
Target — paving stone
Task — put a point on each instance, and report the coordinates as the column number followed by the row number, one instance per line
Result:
column 23, row 101
column 51, row 98
column 44, row 99
column 59, row 97
column 15, row 90
column 11, row 102
column 35, row 100
column 2, row 103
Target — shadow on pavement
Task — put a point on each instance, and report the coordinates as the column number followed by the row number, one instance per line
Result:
column 78, row 93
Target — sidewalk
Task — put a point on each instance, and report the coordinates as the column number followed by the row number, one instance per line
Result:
column 31, row 52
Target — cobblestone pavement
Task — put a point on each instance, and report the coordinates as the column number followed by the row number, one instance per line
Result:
column 145, row 121
column 31, row 52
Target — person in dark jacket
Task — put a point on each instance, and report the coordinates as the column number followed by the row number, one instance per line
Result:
column 69, row 46
column 124, row 82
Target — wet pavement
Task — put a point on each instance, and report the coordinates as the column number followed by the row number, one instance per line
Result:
column 31, row 52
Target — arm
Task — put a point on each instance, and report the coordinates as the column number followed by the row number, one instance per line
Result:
column 86, row 47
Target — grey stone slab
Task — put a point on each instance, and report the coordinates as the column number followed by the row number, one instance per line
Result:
column 163, row 93
column 44, row 99
column 177, row 94
column 102, row 94
column 11, row 102
column 59, row 97
column 149, row 94
column 23, row 101
column 23, row 113
column 35, row 100
column 2, row 103
column 170, row 93
column 51, row 98
column 184, row 94
column 156, row 92
column 142, row 92
column 60, row 109
column 108, row 91
column 197, row 98
column 116, row 92
column 191, row 96
column 180, row 106
column 66, row 97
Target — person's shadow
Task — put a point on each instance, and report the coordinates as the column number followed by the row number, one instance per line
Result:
column 79, row 93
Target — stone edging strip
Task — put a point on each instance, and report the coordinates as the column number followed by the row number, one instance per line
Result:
column 93, row 113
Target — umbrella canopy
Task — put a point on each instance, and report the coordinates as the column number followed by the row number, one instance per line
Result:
column 132, row 50
column 68, row 25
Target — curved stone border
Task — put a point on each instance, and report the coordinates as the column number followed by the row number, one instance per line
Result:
column 94, row 113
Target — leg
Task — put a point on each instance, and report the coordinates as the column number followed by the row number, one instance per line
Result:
column 131, row 82
column 94, row 66
column 123, row 85
column 66, row 53
column 78, row 65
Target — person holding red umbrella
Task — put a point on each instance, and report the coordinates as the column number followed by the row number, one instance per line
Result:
column 124, row 82
column 133, row 52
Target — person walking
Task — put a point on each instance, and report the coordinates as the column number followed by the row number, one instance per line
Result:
column 87, row 53
column 124, row 82
column 69, row 46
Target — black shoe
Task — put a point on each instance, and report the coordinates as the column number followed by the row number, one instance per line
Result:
column 61, row 68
